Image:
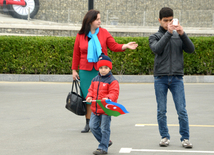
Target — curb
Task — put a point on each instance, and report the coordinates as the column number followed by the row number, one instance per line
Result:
column 120, row 78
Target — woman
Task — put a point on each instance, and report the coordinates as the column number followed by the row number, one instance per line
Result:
column 91, row 41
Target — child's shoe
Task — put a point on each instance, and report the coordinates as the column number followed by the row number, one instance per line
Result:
column 99, row 151
column 110, row 143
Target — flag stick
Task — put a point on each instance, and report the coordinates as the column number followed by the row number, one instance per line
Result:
column 91, row 101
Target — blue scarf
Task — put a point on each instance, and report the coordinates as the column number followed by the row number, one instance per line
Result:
column 94, row 47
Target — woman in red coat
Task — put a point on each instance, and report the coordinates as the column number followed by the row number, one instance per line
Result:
column 91, row 41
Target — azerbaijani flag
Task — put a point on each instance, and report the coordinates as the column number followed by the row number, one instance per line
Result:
column 112, row 108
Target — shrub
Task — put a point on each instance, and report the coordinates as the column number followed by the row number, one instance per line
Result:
column 53, row 55
column 36, row 55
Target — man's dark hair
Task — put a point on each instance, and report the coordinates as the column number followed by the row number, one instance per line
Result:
column 165, row 12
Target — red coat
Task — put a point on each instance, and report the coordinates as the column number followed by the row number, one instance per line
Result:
column 103, row 87
column 81, row 48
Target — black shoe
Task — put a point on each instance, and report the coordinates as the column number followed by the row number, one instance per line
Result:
column 110, row 143
column 98, row 151
column 86, row 129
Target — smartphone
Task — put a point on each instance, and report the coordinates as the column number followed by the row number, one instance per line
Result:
column 175, row 21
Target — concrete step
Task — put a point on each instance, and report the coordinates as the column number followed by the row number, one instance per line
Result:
column 33, row 27
column 120, row 78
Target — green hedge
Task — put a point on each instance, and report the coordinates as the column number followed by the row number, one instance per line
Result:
column 53, row 55
column 36, row 55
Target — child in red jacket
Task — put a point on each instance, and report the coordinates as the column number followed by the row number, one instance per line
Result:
column 103, row 86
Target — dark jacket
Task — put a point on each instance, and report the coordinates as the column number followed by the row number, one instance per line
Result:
column 103, row 87
column 168, row 49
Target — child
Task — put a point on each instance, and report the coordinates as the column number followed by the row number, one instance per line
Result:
column 103, row 86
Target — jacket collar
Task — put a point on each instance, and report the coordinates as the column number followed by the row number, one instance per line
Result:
column 162, row 30
column 107, row 75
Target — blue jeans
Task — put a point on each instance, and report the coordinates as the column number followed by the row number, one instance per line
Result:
column 176, row 86
column 100, row 127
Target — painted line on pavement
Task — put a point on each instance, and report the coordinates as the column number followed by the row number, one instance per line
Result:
column 205, row 126
column 129, row 150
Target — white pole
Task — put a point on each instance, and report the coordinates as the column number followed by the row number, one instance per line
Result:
column 107, row 18
column 28, row 14
column 68, row 15
column 213, row 19
column 91, row 101
column 180, row 20
column 144, row 18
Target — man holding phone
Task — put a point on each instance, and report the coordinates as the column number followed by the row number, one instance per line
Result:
column 168, row 45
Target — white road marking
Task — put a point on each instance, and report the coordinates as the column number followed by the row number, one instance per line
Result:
column 125, row 150
column 205, row 126
column 129, row 150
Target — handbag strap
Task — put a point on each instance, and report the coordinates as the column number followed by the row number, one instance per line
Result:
column 75, row 82
column 79, row 88
column 74, row 85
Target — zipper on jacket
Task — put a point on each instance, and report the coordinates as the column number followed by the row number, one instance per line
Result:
column 170, row 58
column 98, row 92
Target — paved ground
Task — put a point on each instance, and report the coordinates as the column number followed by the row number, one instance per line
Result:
column 35, row 122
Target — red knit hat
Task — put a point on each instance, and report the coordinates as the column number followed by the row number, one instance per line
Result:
column 104, row 61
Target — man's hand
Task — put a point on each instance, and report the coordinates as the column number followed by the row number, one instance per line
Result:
column 179, row 29
column 89, row 99
column 171, row 27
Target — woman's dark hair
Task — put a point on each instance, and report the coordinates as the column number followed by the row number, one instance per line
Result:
column 90, row 16
column 165, row 12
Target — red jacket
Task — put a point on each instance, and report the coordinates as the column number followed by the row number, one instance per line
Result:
column 103, row 87
column 81, row 48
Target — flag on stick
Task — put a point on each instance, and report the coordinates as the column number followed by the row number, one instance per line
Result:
column 112, row 108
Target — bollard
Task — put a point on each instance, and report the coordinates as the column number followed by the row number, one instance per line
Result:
column 68, row 15
column 144, row 18
column 213, row 19
column 107, row 17
column 28, row 14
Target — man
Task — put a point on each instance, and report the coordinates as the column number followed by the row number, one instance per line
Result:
column 168, row 45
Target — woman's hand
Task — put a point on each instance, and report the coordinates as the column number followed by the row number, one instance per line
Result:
column 130, row 45
column 75, row 75
column 89, row 99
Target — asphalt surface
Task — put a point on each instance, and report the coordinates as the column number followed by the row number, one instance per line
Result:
column 34, row 121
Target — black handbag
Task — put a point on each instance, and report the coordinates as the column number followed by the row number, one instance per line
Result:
column 74, row 102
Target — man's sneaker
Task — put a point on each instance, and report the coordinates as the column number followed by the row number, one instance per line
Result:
column 110, row 143
column 164, row 142
column 99, row 151
column 186, row 143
